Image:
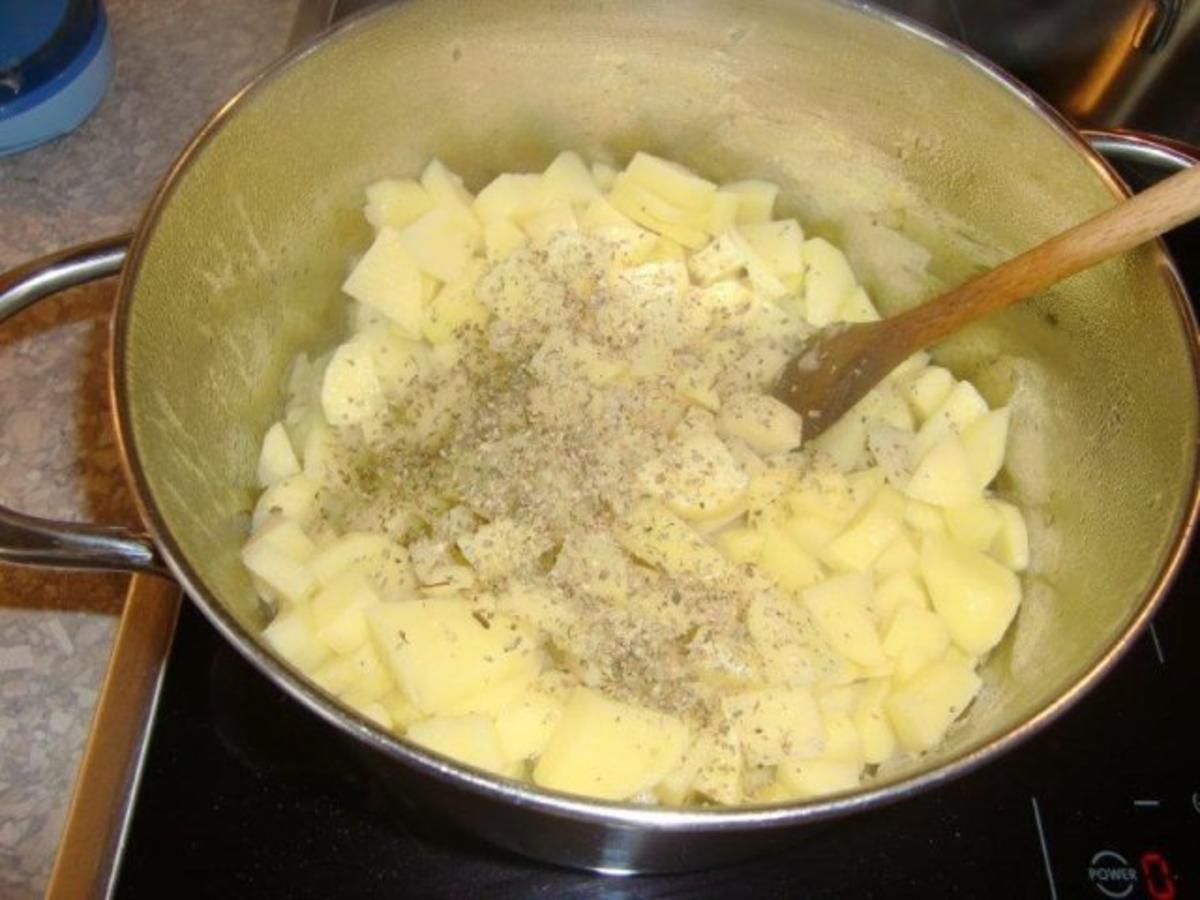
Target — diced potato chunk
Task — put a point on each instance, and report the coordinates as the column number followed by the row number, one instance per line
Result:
column 841, row 609
column 277, row 460
column 975, row 595
column 351, row 392
column 974, row 525
column 396, row 202
column 469, row 739
column 763, row 422
column 277, row 554
column 441, row 652
column 774, row 724
column 985, row 441
column 388, row 280
column 928, row 391
column 339, row 611
column 806, row 778
column 696, row 477
column 828, row 281
column 607, row 749
column 671, row 181
column 291, row 635
column 1011, row 545
column 756, row 200
column 922, row 708
column 659, row 537
column 945, row 477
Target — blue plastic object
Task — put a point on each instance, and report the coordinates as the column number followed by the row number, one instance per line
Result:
column 55, row 64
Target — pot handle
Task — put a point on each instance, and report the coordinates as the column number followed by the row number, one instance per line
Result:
column 28, row 540
column 1139, row 147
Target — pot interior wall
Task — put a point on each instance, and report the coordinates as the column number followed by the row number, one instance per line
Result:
column 918, row 162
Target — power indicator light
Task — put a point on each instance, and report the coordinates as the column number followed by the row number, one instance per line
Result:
column 1157, row 877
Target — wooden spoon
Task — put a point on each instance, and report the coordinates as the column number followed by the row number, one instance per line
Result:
column 841, row 363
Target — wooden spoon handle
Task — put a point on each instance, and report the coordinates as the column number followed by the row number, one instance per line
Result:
column 1171, row 202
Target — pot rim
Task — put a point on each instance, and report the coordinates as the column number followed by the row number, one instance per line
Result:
column 574, row 806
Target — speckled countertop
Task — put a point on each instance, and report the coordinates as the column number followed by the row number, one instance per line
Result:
column 176, row 61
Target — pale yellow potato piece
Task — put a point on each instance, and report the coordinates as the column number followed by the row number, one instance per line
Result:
column 976, row 596
column 351, row 392
column 924, row 518
column 985, row 441
column 441, row 651
column 671, row 181
column 928, row 391
column 276, row 554
column 775, row 723
column 792, row 652
column 569, row 179
column 789, row 565
column 756, row 199
column 339, row 611
column 526, row 726
column 805, row 778
column 963, row 406
column 446, row 189
column 383, row 561
column 1011, row 545
column 896, row 592
column 740, row 544
column 510, row 196
column 722, row 215
column 595, row 564
column 292, row 498
column 388, row 279
column 651, row 211
column 657, row 536
column 395, row 202
column 892, row 450
column 763, row 422
column 841, row 610
column 922, row 708
column 607, row 749
column 779, row 244
column 974, row 525
column 812, row 532
column 842, row 740
column 542, row 226
column 823, row 492
column 277, row 460
column 292, row 636
column 828, row 281
column 858, row 307
column 945, row 476
column 470, row 740
column 869, row 534
column 442, row 242
column 696, row 477
column 721, row 258
column 455, row 308
column 400, row 710
column 500, row 238
column 915, row 638
column 360, row 673
column 844, row 442
column 901, row 555
column 877, row 740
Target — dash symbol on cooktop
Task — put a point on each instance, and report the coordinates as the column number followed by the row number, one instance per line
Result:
column 1041, row 832
column 1147, row 803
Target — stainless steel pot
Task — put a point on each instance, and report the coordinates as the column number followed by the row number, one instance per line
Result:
column 919, row 157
